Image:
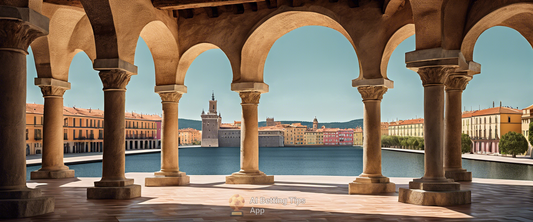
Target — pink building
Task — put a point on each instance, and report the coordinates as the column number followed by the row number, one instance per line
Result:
column 158, row 135
column 331, row 137
column 345, row 137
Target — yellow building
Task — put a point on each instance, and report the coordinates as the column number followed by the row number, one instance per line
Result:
column 486, row 126
column 189, row 136
column 412, row 127
column 384, row 129
column 294, row 134
column 358, row 136
column 314, row 137
column 83, row 130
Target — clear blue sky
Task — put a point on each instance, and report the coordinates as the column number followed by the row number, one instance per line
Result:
column 309, row 71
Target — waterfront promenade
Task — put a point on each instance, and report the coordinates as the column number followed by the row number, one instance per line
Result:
column 491, row 158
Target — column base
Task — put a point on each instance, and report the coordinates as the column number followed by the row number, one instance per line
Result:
column 434, row 191
column 369, row 185
column 24, row 203
column 47, row 174
column 249, row 178
column 434, row 198
column 114, row 189
column 458, row 175
column 167, row 179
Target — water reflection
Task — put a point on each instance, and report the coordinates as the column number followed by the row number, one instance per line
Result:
column 334, row 161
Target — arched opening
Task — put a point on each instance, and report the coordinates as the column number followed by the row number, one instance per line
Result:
column 505, row 54
column 263, row 37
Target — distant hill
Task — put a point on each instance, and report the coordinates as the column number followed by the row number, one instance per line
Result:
column 189, row 123
column 343, row 125
column 197, row 124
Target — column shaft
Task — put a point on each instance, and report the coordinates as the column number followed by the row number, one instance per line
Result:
column 433, row 131
column 249, row 139
column 452, row 157
column 12, row 120
column 114, row 159
column 372, row 139
column 53, row 134
column 169, row 149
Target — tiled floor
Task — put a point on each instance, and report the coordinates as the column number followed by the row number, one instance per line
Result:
column 326, row 199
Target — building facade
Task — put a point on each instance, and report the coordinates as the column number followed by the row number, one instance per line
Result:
column 331, row 137
column 345, row 137
column 83, row 130
column 485, row 127
column 358, row 136
column 189, row 136
column 412, row 127
column 210, row 124
column 294, row 134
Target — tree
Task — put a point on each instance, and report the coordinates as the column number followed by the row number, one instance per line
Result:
column 416, row 144
column 411, row 142
column 513, row 143
column 420, row 143
column 466, row 143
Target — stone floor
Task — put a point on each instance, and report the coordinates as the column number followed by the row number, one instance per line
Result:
column 326, row 199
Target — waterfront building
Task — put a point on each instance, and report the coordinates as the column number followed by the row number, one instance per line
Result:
column 314, row 137
column 486, row 126
column 189, row 136
column 384, row 128
column 229, row 135
column 411, row 127
column 83, row 130
column 331, row 137
column 294, row 134
column 526, row 120
column 210, row 124
column 345, row 137
column 358, row 136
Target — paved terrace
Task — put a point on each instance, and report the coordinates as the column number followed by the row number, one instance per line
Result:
column 326, row 199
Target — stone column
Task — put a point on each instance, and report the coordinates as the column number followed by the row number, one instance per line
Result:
column 454, row 85
column 52, row 158
column 371, row 181
column 114, row 184
column 249, row 173
column 170, row 174
column 433, row 188
column 20, row 26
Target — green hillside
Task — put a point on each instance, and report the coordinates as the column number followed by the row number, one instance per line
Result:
column 197, row 124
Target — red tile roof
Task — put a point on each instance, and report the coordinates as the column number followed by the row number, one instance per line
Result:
column 73, row 111
column 491, row 111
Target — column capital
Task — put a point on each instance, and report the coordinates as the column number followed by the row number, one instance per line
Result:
column 250, row 97
column 170, row 97
column 115, row 79
column 372, row 92
column 20, row 26
column 435, row 75
column 456, row 81
column 54, row 91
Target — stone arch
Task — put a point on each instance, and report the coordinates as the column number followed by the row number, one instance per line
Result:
column 398, row 37
column 164, row 49
column 265, row 34
column 189, row 56
column 70, row 33
column 103, row 26
column 516, row 16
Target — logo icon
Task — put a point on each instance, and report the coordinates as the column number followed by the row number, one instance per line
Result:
column 236, row 202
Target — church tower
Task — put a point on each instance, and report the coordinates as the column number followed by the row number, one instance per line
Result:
column 315, row 124
column 210, row 124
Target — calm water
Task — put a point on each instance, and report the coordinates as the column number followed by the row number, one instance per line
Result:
column 334, row 161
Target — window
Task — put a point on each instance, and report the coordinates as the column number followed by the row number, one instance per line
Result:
column 65, row 135
column 80, row 123
column 74, row 134
column 74, row 122
column 26, row 134
column 508, row 119
column 34, row 120
column 37, row 134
